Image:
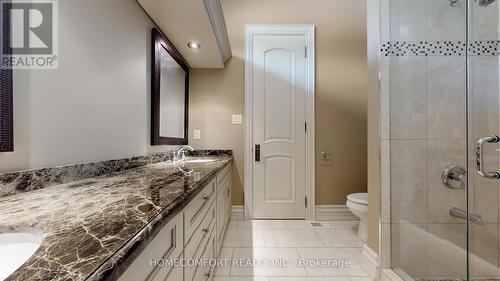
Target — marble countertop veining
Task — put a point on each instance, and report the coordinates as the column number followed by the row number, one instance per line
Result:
column 91, row 227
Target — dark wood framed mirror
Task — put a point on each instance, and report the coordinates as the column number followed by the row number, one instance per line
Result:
column 169, row 93
column 6, row 88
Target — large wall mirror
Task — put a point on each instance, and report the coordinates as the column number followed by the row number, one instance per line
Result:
column 170, row 92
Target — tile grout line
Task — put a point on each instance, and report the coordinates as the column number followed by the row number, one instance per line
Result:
column 231, row 264
column 300, row 257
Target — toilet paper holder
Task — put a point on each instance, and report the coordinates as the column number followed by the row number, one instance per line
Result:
column 326, row 156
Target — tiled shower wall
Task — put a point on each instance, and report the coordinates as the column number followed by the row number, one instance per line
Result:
column 424, row 126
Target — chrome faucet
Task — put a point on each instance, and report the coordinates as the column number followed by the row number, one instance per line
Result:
column 180, row 153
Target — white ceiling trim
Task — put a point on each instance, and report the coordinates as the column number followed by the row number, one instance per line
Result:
column 216, row 15
column 201, row 21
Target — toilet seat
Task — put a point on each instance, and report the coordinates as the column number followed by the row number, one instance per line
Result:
column 358, row 198
column 357, row 203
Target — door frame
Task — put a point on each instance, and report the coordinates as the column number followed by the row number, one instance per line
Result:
column 308, row 31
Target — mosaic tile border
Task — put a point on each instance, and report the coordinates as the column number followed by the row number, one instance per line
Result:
column 440, row 48
column 24, row 181
column 485, row 48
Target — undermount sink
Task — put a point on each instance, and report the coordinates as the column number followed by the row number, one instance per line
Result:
column 198, row 160
column 16, row 248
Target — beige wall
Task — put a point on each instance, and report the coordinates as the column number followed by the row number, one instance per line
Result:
column 341, row 127
column 374, row 180
column 96, row 105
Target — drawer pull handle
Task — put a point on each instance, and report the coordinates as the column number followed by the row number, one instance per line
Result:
column 173, row 239
column 205, row 201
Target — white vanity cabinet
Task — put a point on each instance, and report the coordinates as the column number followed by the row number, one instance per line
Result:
column 196, row 245
column 194, row 235
column 206, row 238
column 151, row 264
column 223, row 202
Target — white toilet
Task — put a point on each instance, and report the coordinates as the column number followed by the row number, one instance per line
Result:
column 358, row 204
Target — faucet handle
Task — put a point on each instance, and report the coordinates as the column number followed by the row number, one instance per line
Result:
column 180, row 152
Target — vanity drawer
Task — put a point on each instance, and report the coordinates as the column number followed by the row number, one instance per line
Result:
column 221, row 213
column 222, row 175
column 223, row 208
column 198, row 251
column 205, row 272
column 201, row 233
column 165, row 245
column 175, row 273
column 195, row 211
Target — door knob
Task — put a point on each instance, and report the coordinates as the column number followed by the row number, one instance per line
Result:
column 480, row 157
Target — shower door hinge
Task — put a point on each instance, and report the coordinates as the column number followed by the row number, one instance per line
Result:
column 305, row 201
column 305, row 55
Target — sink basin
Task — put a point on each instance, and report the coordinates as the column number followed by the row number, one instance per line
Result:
column 206, row 160
column 16, row 249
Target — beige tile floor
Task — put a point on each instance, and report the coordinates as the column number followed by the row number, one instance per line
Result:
column 253, row 246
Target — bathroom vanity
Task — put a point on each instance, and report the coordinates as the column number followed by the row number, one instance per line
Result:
column 129, row 221
column 193, row 235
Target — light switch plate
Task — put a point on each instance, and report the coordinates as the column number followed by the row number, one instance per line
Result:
column 196, row 134
column 237, row 119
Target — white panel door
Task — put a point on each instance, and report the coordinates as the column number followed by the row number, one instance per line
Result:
column 279, row 116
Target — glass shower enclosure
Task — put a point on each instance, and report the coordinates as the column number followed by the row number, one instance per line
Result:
column 440, row 122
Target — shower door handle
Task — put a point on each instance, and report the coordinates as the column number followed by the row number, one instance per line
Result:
column 480, row 157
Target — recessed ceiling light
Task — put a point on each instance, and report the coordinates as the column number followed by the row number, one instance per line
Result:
column 194, row 45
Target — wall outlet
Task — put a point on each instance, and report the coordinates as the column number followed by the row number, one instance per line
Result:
column 237, row 119
column 196, row 134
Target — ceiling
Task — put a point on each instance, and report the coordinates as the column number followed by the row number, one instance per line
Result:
column 183, row 21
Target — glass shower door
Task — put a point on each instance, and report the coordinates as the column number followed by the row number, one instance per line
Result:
column 424, row 132
column 483, row 129
column 439, row 97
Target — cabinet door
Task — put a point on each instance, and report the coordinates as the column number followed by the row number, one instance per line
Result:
column 228, row 202
column 168, row 243
column 176, row 275
column 222, row 175
column 165, row 273
column 221, row 213
column 212, row 254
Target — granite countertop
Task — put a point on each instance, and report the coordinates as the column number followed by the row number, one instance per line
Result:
column 94, row 227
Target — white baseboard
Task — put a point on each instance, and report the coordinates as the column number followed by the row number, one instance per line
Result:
column 334, row 213
column 370, row 262
column 237, row 213
column 323, row 213
column 389, row 275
